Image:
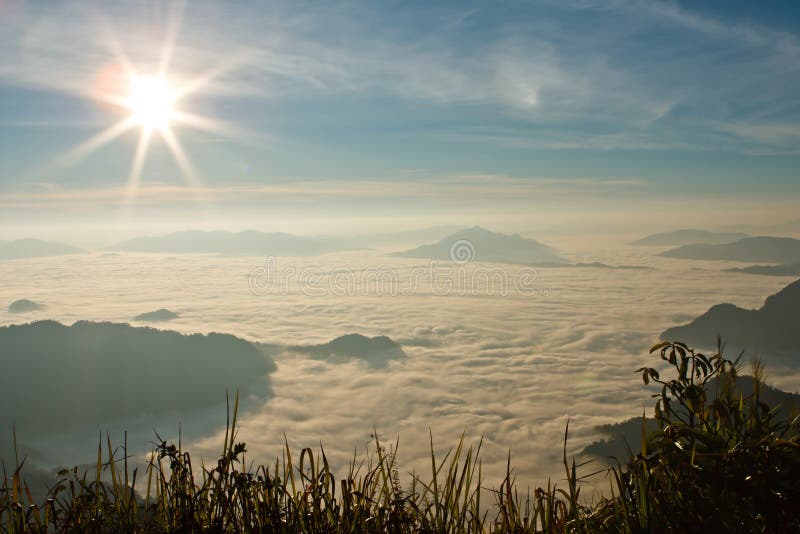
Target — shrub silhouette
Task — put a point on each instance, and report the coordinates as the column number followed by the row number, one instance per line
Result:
column 720, row 461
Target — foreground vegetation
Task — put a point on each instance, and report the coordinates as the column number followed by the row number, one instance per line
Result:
column 719, row 462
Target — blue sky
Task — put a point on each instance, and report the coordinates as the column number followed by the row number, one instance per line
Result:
column 495, row 112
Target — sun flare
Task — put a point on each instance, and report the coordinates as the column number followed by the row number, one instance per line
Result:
column 151, row 102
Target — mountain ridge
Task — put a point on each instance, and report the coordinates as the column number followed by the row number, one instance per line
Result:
column 762, row 248
column 245, row 242
column 35, row 248
column 688, row 236
column 773, row 327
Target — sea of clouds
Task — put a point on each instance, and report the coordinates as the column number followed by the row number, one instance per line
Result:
column 509, row 366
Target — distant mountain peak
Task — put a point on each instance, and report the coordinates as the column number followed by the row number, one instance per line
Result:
column 479, row 244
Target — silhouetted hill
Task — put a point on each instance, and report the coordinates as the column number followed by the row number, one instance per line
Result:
column 248, row 242
column 24, row 306
column 767, row 249
column 58, row 377
column 688, row 237
column 770, row 270
column 628, row 433
column 375, row 351
column 157, row 316
column 774, row 327
column 34, row 248
column 479, row 244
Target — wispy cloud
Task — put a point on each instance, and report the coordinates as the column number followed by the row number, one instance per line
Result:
column 283, row 53
column 454, row 187
column 605, row 74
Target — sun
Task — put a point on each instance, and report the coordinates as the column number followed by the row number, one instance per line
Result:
column 151, row 101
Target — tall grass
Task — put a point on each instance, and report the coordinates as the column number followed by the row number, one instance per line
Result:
column 719, row 462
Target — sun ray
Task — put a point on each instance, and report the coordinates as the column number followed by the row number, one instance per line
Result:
column 131, row 190
column 186, row 166
column 139, row 157
column 180, row 156
column 79, row 152
column 203, row 80
column 216, row 126
column 203, row 123
column 171, row 36
column 115, row 100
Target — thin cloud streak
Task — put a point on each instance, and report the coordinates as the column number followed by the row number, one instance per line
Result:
column 479, row 186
